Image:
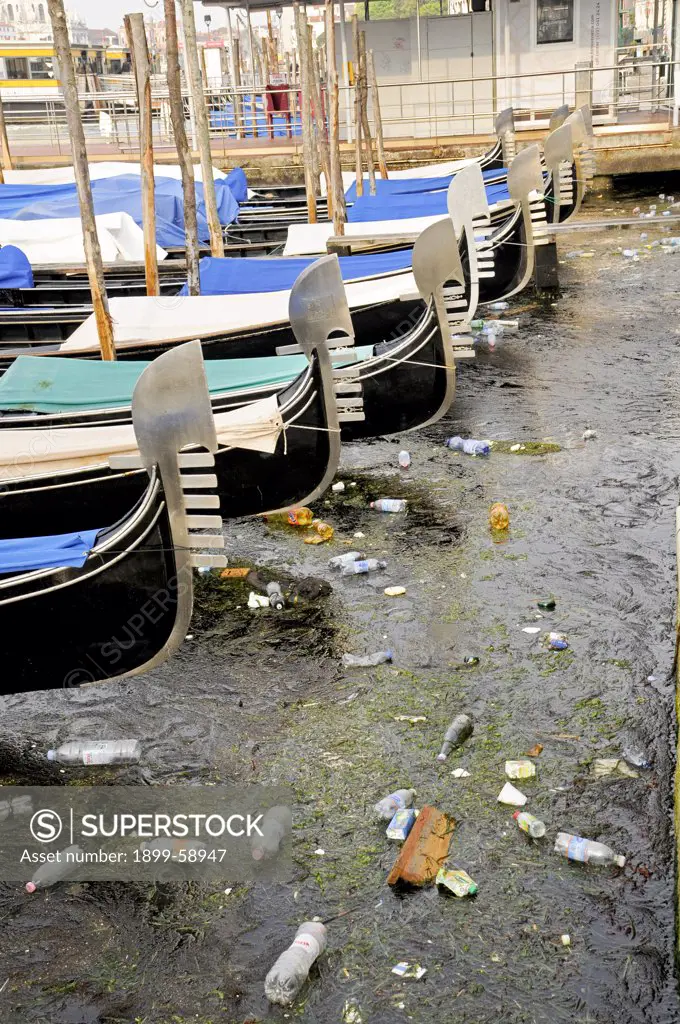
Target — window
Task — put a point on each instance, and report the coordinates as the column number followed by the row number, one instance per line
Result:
column 554, row 21
column 10, row 12
column 17, row 67
column 41, row 13
column 41, row 67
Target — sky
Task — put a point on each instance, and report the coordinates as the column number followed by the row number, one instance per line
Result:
column 109, row 13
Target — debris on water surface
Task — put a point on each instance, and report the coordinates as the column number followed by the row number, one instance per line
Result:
column 412, row 719
column 511, row 796
column 470, row 660
column 535, row 751
column 318, row 532
column 425, row 850
column 406, row 970
column 338, row 488
column 557, row 641
column 389, row 505
column 351, row 1013
column 589, row 435
column 499, row 517
column 468, row 445
column 404, row 459
column 394, row 591
column 565, row 940
column 366, row 660
column 393, row 802
column 456, row 881
column 547, row 604
column 460, row 773
column 533, row 826
column 636, row 757
column 602, row 766
column 531, row 629
column 257, row 600
column 460, row 729
column 401, row 824
column 520, row 769
column 291, row 970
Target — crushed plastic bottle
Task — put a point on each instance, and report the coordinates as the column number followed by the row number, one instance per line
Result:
column 294, row 517
column 319, row 532
column 363, row 565
column 401, row 824
column 456, row 881
column 276, row 824
column 366, row 660
column 468, row 445
column 54, row 871
column 97, row 752
column 461, row 729
column 404, row 459
column 341, row 560
column 276, row 598
column 257, row 600
column 499, row 517
column 393, row 802
column 389, row 505
column 291, row 970
column 636, row 757
column 533, row 827
column 587, row 851
column 522, row 769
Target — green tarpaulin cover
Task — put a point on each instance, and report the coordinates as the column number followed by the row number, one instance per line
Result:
column 53, row 384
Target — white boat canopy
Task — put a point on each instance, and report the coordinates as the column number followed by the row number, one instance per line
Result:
column 59, row 242
column 104, row 169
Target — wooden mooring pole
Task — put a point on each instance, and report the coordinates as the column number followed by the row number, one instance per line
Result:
column 93, row 255
column 336, row 190
column 183, row 152
column 6, row 161
column 377, row 117
column 305, row 117
column 321, row 140
column 366, row 129
column 136, row 36
column 356, row 67
column 197, row 90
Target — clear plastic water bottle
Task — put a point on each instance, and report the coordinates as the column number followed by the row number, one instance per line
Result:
column 366, row 660
column 291, row 970
column 498, row 306
column 362, row 566
column 54, row 871
column 276, row 598
column 404, row 459
column 389, row 505
column 340, row 561
column 468, row 445
column 97, row 752
column 276, row 824
column 456, row 734
column 587, row 851
column 534, row 827
column 397, row 801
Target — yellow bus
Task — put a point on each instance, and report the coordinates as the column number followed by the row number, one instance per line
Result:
column 29, row 74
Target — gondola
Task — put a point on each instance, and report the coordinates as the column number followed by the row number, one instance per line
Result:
column 113, row 601
column 278, row 447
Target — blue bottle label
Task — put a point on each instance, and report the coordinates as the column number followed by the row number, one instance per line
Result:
column 361, row 565
column 578, row 849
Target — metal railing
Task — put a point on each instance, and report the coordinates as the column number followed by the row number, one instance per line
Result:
column 639, row 89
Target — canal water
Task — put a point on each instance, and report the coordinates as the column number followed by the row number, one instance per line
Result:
column 259, row 697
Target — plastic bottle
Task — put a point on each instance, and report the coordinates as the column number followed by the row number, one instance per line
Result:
column 468, row 445
column 97, row 752
column 404, row 459
column 276, row 598
column 52, row 872
column 389, row 505
column 456, row 734
column 534, row 827
column 318, row 532
column 341, row 560
column 497, row 306
column 397, row 801
column 291, row 970
column 499, row 517
column 277, row 823
column 366, row 660
column 500, row 326
column 363, row 565
column 587, row 851
column 294, row 517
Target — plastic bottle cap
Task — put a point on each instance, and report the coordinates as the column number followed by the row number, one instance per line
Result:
column 620, row 861
column 31, row 887
column 516, row 814
column 51, row 755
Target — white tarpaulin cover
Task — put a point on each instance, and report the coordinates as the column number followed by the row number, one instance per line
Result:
column 312, row 239
column 105, row 169
column 184, row 317
column 61, row 241
column 29, row 453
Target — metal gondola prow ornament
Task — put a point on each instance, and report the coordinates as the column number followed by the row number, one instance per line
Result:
column 558, row 117
column 558, row 153
column 526, row 185
column 505, row 132
column 580, row 141
column 440, row 278
column 468, row 208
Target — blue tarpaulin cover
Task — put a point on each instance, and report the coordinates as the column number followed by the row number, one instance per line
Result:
column 53, row 552
column 119, row 194
column 400, row 207
column 236, row 180
column 410, row 186
column 15, row 270
column 240, row 276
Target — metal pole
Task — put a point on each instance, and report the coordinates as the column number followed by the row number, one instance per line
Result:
column 196, row 89
column 345, row 70
column 93, row 255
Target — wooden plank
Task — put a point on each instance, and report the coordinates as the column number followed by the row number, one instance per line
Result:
column 425, row 850
column 93, row 256
column 377, row 117
column 368, row 243
column 197, row 89
column 182, row 145
column 136, row 36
